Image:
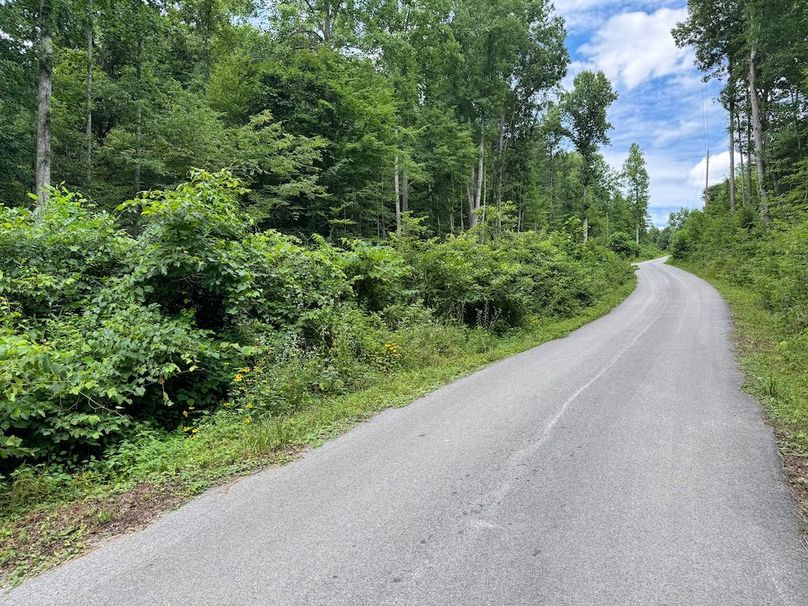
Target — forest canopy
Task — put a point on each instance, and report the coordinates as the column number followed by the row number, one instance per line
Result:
column 339, row 116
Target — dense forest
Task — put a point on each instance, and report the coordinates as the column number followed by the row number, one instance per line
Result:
column 198, row 193
column 339, row 116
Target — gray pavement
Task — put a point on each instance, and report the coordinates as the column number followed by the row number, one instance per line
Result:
column 620, row 465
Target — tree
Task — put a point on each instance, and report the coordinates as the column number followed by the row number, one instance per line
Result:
column 714, row 29
column 636, row 179
column 586, row 125
column 43, row 106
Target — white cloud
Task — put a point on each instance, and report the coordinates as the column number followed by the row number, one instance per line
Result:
column 664, row 105
column 632, row 48
column 719, row 170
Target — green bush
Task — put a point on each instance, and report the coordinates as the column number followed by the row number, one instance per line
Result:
column 52, row 260
column 769, row 257
column 107, row 333
column 511, row 277
column 624, row 245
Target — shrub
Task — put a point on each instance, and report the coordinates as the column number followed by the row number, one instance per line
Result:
column 50, row 261
column 70, row 385
column 104, row 333
column 621, row 243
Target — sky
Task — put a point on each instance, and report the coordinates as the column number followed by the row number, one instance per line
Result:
column 663, row 105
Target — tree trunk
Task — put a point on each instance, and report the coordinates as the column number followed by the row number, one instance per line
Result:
column 470, row 199
column 636, row 233
column 480, row 171
column 749, row 161
column 744, row 197
column 43, row 110
column 139, row 126
column 586, row 213
column 732, row 155
column 397, row 191
column 405, row 189
column 500, row 160
column 89, row 127
column 757, row 129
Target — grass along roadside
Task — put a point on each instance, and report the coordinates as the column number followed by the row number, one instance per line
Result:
column 50, row 518
column 773, row 362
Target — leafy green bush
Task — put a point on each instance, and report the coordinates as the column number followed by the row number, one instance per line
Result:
column 104, row 331
column 51, row 260
column 506, row 279
column 378, row 274
column 621, row 243
column 769, row 257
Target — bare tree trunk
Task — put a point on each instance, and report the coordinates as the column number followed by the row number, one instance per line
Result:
column 485, row 191
column 89, row 127
column 480, row 170
column 749, row 161
column 500, row 160
column 43, row 110
column 470, row 199
column 636, row 234
column 744, row 197
column 405, row 190
column 139, row 126
column 758, row 133
column 397, row 191
column 732, row 155
column 586, row 213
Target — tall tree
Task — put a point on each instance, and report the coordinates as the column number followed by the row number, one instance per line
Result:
column 714, row 28
column 43, row 110
column 586, row 124
column 636, row 179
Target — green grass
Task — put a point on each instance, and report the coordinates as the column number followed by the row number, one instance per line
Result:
column 774, row 364
column 50, row 516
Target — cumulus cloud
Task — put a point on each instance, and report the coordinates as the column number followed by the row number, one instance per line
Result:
column 719, row 169
column 634, row 47
column 664, row 105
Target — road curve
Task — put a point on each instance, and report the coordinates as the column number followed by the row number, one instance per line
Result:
column 620, row 465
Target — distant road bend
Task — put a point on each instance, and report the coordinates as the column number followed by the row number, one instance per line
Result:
column 620, row 465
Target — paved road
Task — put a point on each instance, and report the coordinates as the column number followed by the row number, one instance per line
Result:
column 621, row 465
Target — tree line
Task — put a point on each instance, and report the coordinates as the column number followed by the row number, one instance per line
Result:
column 758, row 50
column 751, row 231
column 340, row 116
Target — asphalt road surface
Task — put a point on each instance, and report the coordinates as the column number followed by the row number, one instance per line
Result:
column 620, row 465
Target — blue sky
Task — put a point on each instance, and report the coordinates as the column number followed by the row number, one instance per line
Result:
column 663, row 105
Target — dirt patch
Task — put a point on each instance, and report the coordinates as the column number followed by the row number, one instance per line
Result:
column 44, row 538
column 50, row 536
column 796, row 468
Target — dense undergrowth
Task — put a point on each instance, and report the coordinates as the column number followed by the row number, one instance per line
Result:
column 173, row 342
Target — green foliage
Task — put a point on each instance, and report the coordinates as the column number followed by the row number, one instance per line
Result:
column 103, row 329
column 52, row 259
column 505, row 280
column 769, row 258
column 624, row 245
